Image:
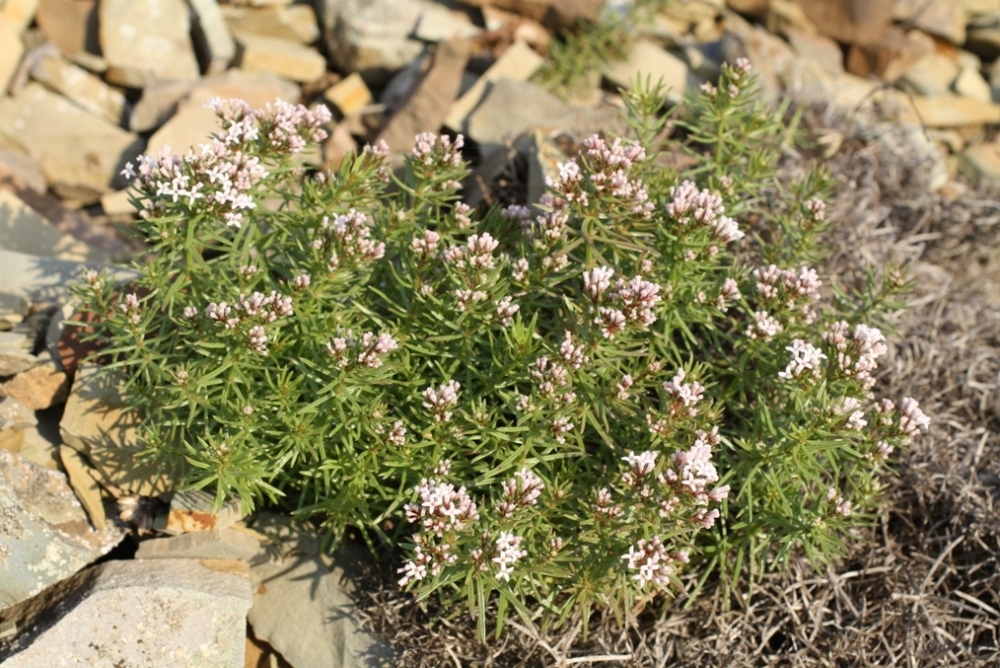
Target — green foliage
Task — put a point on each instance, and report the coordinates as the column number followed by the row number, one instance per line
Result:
column 547, row 408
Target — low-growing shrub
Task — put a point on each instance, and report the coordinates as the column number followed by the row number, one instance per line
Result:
column 550, row 406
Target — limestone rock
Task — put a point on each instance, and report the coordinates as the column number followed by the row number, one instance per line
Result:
column 349, row 95
column 95, row 424
column 930, row 76
column 147, row 40
column 302, row 602
column 10, row 54
column 212, row 39
column 192, row 511
column 141, row 614
column 81, row 155
column 891, row 55
column 117, row 203
column 234, row 544
column 294, row 22
column 21, row 171
column 941, row 18
column 78, row 85
column 71, row 25
column 692, row 11
column 337, row 146
column 949, row 111
column 970, row 83
column 981, row 163
column 519, row 61
column 771, row 57
column 850, row 21
column 81, row 479
column 14, row 358
column 426, row 109
column 193, row 123
column 15, row 419
column 820, row 49
column 39, row 387
column 438, row 23
column 495, row 120
column 646, row 59
column 43, row 279
column 24, row 230
column 281, row 56
column 785, row 15
column 158, row 103
column 19, row 12
column 370, row 36
column 13, row 309
column 983, row 36
column 44, row 533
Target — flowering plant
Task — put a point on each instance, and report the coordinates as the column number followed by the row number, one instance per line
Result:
column 551, row 406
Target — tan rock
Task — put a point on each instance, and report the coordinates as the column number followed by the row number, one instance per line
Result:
column 970, row 83
column 755, row 8
column 294, row 22
column 158, row 103
column 21, row 171
column 337, row 146
column 11, row 440
column 349, row 95
column 426, row 109
column 519, row 61
column 783, row 15
column 772, row 58
column 981, row 163
column 193, row 123
column 942, row 18
column 81, row 155
column 975, row 8
column 438, row 23
column 950, row 111
column 693, row 11
column 559, row 14
column 84, row 485
column 40, row 387
column 192, row 511
column 24, row 230
column 71, row 25
column 15, row 419
column 211, row 35
column 850, row 21
column 15, row 360
column 889, row 56
column 931, row 75
column 820, row 49
column 10, row 54
column 117, row 203
column 147, row 40
column 78, row 85
column 371, row 37
column 646, row 59
column 210, row 544
column 39, row 449
column 19, row 12
column 280, row 56
column 94, row 423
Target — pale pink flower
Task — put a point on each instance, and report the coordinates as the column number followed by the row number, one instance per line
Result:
column 440, row 401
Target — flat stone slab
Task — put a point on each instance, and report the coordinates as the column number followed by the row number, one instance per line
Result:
column 44, row 533
column 140, row 614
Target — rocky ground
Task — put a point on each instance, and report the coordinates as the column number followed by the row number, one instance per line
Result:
column 101, row 563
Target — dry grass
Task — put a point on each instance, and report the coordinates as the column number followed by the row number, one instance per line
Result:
column 922, row 588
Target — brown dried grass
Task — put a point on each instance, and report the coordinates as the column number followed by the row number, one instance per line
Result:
column 922, row 588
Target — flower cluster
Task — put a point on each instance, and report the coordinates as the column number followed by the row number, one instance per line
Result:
column 440, row 401
column 806, row 360
column 430, row 149
column 250, row 313
column 347, row 237
column 520, row 491
column 476, row 254
column 130, row 307
column 857, row 354
column 368, row 351
column 694, row 207
column 684, row 395
column 649, row 558
column 629, row 304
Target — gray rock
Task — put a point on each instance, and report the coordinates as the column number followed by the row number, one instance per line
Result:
column 302, row 602
column 25, row 230
column 44, row 533
column 140, row 614
column 496, row 119
column 370, row 36
column 519, row 61
column 14, row 359
column 13, row 308
column 45, row 279
column 146, row 41
column 81, row 155
column 238, row 544
column 158, row 103
column 438, row 23
column 212, row 39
